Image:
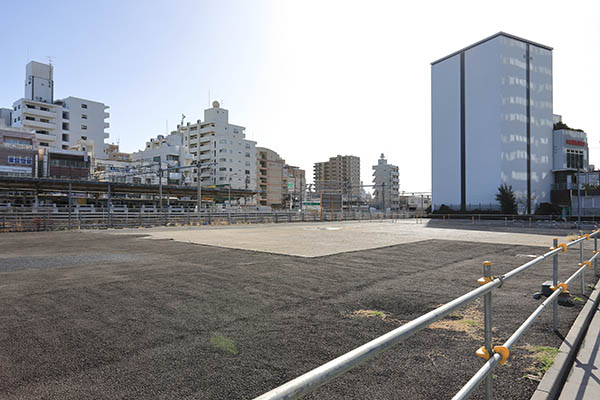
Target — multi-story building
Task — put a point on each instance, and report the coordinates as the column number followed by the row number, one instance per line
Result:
column 270, row 177
column 341, row 174
column 62, row 123
column 294, row 185
column 226, row 156
column 491, row 115
column 386, row 183
column 18, row 153
column 167, row 154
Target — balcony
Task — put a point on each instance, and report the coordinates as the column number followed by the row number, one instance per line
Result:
column 38, row 113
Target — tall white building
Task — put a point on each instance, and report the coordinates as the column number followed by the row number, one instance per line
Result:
column 387, row 185
column 226, row 156
column 58, row 124
column 491, row 115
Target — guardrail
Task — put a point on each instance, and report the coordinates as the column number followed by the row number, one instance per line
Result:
column 311, row 380
column 13, row 220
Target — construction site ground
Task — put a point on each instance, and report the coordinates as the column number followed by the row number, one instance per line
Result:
column 232, row 312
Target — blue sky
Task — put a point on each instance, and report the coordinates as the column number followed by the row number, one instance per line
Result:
column 309, row 79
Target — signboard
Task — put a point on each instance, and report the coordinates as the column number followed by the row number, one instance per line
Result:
column 18, row 170
column 331, row 202
column 575, row 142
column 290, row 186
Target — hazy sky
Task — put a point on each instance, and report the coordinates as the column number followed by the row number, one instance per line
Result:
column 308, row 79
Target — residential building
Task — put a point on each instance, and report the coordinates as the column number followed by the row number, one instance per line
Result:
column 492, row 123
column 167, row 154
column 294, row 186
column 386, row 183
column 111, row 152
column 226, row 156
column 18, row 153
column 58, row 124
column 341, row 174
column 270, row 177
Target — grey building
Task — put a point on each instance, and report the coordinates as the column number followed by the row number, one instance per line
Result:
column 492, row 123
column 387, row 185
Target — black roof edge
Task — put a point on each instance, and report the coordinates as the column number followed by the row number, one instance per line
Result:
column 508, row 35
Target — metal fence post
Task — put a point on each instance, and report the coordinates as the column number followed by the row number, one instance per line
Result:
column 487, row 309
column 555, row 283
column 595, row 259
column 580, row 263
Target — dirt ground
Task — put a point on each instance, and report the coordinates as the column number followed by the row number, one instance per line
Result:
column 107, row 316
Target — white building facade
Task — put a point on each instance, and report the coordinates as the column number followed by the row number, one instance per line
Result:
column 226, row 157
column 492, row 123
column 386, row 179
column 58, row 124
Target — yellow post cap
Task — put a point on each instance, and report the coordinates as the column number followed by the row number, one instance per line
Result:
column 483, row 353
column 487, row 263
column 504, row 353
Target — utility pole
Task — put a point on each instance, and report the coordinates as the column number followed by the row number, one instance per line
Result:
column 383, row 196
column 160, row 188
column 578, row 198
column 199, row 167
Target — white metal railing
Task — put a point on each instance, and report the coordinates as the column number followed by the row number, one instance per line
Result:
column 319, row 376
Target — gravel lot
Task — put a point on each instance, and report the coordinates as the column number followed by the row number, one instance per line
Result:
column 107, row 316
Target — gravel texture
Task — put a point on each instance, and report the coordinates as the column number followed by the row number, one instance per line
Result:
column 123, row 317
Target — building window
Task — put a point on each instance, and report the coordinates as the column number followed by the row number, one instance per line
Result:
column 84, row 138
column 222, row 169
column 247, row 172
column 44, row 120
column 83, row 105
column 44, row 109
column 222, row 150
column 43, row 144
column 223, row 141
column 574, row 158
column 20, row 160
column 84, row 127
column 156, row 159
column 247, row 154
column 83, row 116
column 65, row 137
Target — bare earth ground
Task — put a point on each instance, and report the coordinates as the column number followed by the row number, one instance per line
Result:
column 106, row 315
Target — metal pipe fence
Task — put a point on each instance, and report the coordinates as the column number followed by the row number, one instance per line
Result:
column 319, row 376
column 63, row 218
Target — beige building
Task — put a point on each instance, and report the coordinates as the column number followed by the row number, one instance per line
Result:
column 270, row 179
column 341, row 174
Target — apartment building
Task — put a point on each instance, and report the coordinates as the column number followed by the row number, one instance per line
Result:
column 341, row 174
column 226, row 157
column 270, row 178
column 387, row 185
column 492, row 123
column 57, row 124
column 166, row 154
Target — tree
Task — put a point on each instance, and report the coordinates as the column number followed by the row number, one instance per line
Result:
column 507, row 200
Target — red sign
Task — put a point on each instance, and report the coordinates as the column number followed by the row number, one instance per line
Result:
column 576, row 142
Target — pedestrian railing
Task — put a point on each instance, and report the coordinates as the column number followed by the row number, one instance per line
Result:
column 494, row 355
